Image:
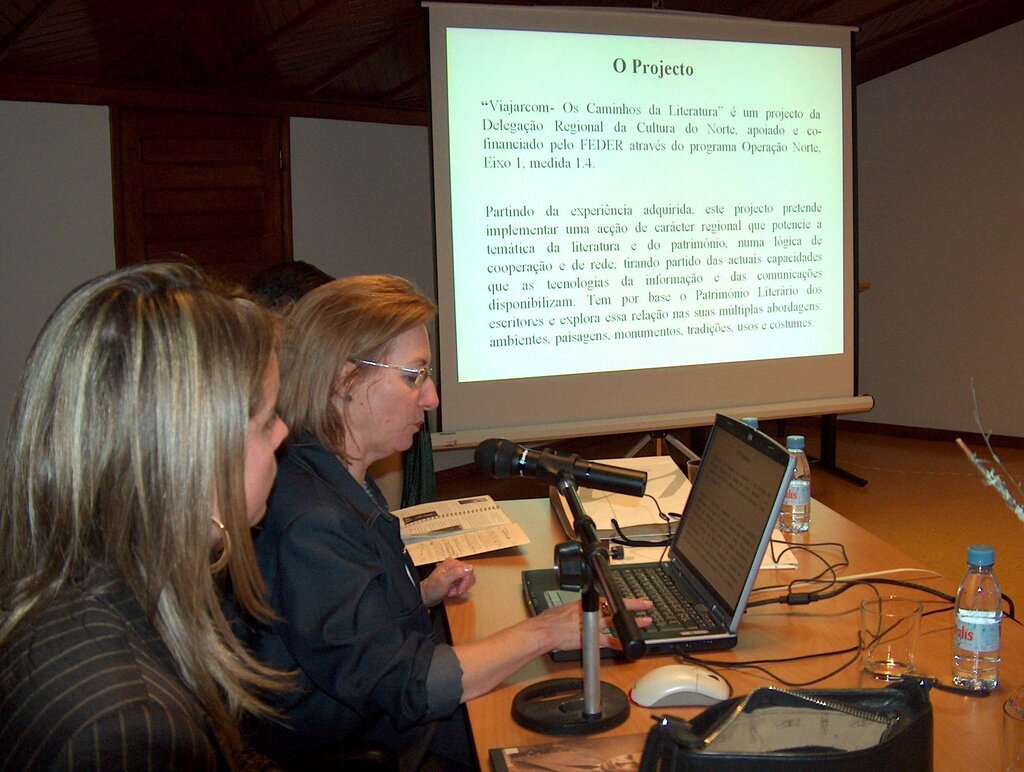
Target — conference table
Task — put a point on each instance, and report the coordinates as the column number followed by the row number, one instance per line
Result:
column 967, row 730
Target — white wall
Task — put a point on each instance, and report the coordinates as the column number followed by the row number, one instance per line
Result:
column 56, row 219
column 941, row 206
column 361, row 199
column 361, row 203
column 941, row 167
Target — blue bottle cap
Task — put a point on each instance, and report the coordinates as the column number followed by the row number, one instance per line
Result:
column 795, row 442
column 750, row 421
column 981, row 555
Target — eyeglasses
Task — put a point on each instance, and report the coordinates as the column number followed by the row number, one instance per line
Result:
column 416, row 376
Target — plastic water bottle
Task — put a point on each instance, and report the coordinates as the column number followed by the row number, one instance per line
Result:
column 978, row 616
column 750, row 421
column 795, row 516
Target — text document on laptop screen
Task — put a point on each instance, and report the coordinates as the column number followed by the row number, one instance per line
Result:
column 727, row 513
column 638, row 215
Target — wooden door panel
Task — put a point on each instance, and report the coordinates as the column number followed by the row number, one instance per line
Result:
column 171, row 202
column 212, row 188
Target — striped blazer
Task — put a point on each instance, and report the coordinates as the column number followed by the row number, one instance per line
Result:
column 89, row 685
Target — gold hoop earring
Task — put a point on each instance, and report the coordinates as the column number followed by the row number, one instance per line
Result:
column 225, row 549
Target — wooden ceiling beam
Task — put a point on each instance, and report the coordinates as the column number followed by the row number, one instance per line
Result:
column 380, row 44
column 268, row 43
column 147, row 42
column 353, row 61
column 948, row 22
column 21, row 89
column 272, row 40
column 41, row 7
column 411, row 87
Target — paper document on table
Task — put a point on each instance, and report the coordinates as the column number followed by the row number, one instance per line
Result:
column 778, row 554
column 637, row 516
column 436, row 518
column 456, row 528
column 497, row 537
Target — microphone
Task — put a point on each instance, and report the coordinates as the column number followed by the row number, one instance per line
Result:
column 501, row 458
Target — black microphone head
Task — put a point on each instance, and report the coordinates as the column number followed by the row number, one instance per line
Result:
column 496, row 457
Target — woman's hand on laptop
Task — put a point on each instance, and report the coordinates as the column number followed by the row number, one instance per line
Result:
column 566, row 623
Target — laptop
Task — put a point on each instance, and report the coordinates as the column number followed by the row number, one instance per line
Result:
column 716, row 550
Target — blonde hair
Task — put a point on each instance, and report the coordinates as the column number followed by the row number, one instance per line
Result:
column 130, row 424
column 357, row 317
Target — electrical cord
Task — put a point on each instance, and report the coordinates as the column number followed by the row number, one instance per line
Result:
column 758, row 665
column 805, row 598
column 794, row 598
column 848, row 577
column 621, row 538
column 836, row 587
column 831, row 586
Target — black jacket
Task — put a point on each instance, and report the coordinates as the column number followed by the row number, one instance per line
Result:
column 353, row 623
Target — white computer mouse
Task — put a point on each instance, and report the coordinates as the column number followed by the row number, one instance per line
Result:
column 677, row 686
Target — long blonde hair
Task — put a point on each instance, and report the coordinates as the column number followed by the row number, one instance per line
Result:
column 357, row 317
column 130, row 424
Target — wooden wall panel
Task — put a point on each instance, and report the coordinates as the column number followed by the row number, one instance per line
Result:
column 212, row 188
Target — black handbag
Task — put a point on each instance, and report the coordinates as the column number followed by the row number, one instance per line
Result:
column 841, row 730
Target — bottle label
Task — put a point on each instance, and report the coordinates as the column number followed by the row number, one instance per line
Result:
column 798, row 494
column 977, row 633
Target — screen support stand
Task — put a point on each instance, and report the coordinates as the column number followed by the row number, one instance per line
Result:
column 660, row 438
column 555, row 706
column 827, row 462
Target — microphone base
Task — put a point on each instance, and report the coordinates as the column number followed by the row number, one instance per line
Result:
column 556, row 707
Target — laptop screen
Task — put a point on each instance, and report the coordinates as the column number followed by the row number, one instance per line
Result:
column 738, row 491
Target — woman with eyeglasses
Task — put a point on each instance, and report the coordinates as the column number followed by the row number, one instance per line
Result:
column 139, row 454
column 353, row 619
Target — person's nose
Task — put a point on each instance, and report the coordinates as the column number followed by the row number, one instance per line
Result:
column 429, row 399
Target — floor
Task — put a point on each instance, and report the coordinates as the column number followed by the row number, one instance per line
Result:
column 922, row 495
column 927, row 498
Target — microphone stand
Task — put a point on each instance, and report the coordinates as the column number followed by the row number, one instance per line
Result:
column 554, row 706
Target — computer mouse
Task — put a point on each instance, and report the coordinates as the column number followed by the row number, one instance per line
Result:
column 677, row 686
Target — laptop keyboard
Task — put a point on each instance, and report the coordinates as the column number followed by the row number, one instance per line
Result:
column 670, row 612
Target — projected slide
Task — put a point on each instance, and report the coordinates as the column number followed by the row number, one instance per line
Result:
column 683, row 197
column 642, row 218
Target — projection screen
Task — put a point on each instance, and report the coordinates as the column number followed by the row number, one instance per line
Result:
column 642, row 218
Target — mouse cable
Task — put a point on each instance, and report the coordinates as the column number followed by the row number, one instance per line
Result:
column 757, row 665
